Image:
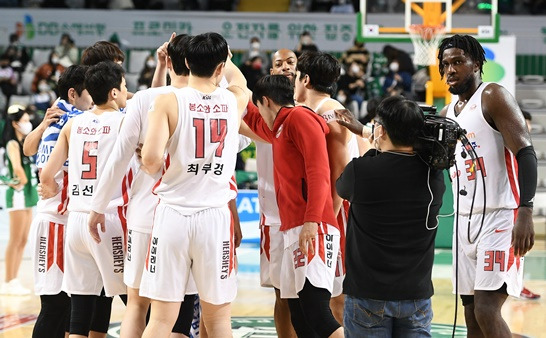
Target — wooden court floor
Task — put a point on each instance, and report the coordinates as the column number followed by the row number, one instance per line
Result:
column 525, row 317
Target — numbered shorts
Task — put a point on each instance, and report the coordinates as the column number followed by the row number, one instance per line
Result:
column 318, row 268
column 200, row 243
column 135, row 260
column 47, row 242
column 271, row 251
column 90, row 266
column 489, row 262
column 342, row 219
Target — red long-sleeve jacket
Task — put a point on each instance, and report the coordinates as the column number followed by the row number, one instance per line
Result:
column 300, row 164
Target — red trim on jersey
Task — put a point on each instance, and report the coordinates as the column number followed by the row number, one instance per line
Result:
column 60, row 247
column 233, row 184
column 265, row 246
column 50, row 245
column 512, row 170
column 167, row 164
column 61, row 208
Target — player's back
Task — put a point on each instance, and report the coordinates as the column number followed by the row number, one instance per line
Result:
column 201, row 153
column 92, row 139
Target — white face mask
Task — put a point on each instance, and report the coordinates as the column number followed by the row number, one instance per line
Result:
column 150, row 63
column 255, row 45
column 394, row 67
column 341, row 97
column 55, row 60
column 43, row 87
column 355, row 69
column 25, row 127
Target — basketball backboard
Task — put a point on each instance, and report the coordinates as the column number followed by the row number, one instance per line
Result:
column 390, row 20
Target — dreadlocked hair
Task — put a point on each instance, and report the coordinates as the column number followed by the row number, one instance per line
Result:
column 468, row 44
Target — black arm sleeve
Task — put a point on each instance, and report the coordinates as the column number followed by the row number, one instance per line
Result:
column 527, row 175
column 345, row 184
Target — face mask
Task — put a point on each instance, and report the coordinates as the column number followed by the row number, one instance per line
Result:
column 255, row 45
column 43, row 87
column 55, row 60
column 25, row 127
column 394, row 67
column 355, row 69
column 341, row 97
column 306, row 40
column 150, row 64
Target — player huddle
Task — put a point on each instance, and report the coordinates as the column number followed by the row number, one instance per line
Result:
column 138, row 199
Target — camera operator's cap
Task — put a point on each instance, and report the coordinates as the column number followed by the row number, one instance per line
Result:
column 15, row 108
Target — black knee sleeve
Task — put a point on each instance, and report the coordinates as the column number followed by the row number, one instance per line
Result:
column 101, row 315
column 81, row 313
column 302, row 328
column 185, row 316
column 315, row 303
column 467, row 299
column 52, row 320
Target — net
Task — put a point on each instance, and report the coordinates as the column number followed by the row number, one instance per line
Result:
column 425, row 41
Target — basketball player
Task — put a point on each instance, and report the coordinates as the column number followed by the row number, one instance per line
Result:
column 86, row 141
column 198, row 127
column 489, row 249
column 283, row 62
column 316, row 77
column 48, row 227
column 302, row 176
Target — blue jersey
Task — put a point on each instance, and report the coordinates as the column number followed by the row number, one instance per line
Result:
column 51, row 134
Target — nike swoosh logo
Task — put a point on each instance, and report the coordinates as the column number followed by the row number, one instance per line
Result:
column 501, row 230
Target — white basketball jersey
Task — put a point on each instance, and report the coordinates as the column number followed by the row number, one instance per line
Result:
column 201, row 153
column 495, row 162
column 92, row 139
column 266, row 185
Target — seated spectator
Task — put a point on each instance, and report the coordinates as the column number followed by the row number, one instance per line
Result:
column 147, row 73
column 17, row 54
column 44, row 98
column 49, row 71
column 253, row 71
column 357, row 53
column 353, row 85
column 8, row 81
column 397, row 81
column 305, row 44
column 255, row 50
column 67, row 51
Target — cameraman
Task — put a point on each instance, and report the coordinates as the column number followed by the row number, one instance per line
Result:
column 395, row 199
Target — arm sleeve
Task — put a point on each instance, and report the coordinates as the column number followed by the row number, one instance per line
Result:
column 346, row 182
column 256, row 123
column 527, row 176
column 308, row 135
column 118, row 163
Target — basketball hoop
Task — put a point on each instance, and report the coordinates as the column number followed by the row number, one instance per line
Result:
column 425, row 39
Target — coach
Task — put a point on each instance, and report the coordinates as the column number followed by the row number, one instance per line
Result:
column 395, row 199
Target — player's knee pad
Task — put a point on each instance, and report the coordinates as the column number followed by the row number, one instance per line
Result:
column 55, row 304
column 185, row 316
column 467, row 299
column 101, row 315
column 315, row 303
column 299, row 322
column 81, row 313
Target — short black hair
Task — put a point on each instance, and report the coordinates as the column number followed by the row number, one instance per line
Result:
column 102, row 51
column 101, row 78
column 13, row 37
column 323, row 69
column 177, row 52
column 468, row 44
column 205, row 52
column 277, row 88
column 72, row 77
column 526, row 115
column 402, row 119
column 15, row 113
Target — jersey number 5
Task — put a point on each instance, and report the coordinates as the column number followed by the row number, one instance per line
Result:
column 217, row 132
column 89, row 157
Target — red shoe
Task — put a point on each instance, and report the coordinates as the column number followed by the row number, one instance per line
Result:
column 526, row 293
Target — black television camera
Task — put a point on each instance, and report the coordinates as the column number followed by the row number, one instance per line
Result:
column 438, row 140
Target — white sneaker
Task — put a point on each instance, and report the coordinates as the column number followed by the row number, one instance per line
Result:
column 14, row 288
